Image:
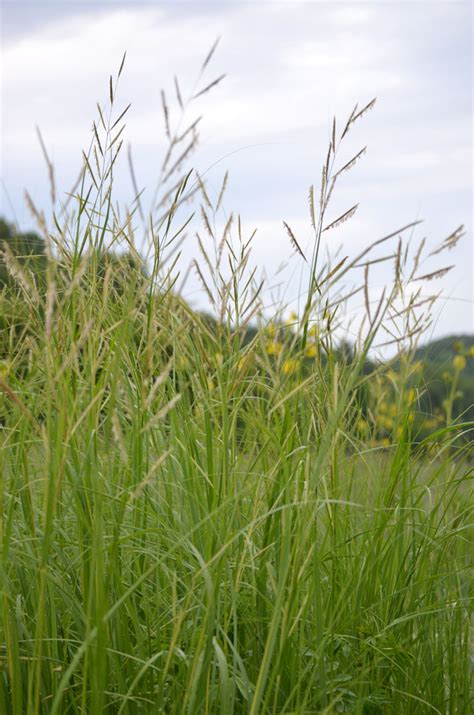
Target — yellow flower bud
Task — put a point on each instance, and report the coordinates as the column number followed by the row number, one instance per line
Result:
column 459, row 362
column 311, row 351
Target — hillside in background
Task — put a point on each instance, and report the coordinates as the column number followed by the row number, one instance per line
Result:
column 440, row 352
column 438, row 358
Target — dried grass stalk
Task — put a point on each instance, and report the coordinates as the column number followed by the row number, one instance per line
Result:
column 341, row 219
column 294, row 242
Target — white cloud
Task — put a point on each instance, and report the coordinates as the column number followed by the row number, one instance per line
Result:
column 290, row 66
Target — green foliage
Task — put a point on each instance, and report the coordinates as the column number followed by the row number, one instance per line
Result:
column 437, row 358
column 239, row 549
column 27, row 248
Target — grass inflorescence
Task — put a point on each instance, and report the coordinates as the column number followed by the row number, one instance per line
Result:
column 227, row 514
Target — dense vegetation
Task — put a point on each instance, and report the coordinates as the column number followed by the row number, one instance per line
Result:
column 435, row 374
column 201, row 516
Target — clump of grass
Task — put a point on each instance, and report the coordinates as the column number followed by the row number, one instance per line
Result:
column 193, row 519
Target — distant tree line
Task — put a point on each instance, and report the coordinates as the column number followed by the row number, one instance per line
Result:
column 436, row 358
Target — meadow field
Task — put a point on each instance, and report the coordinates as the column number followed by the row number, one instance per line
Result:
column 239, row 512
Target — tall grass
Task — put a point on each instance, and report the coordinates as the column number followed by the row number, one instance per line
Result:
column 191, row 519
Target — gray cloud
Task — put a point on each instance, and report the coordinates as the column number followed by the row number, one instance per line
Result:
column 290, row 66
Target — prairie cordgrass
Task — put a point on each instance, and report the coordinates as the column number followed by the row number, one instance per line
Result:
column 195, row 514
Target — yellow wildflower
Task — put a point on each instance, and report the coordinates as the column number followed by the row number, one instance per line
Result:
column 292, row 319
column 274, row 348
column 459, row 362
column 271, row 330
column 471, row 351
column 311, row 350
column 289, row 366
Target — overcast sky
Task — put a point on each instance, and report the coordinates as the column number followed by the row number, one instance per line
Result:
column 290, row 67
